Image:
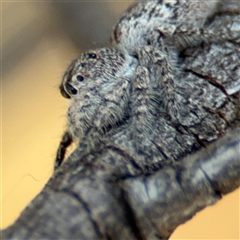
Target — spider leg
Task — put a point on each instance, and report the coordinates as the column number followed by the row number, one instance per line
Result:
column 162, row 80
column 64, row 144
column 142, row 120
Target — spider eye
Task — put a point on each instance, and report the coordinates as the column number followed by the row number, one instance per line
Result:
column 80, row 78
column 92, row 55
column 70, row 89
column 64, row 92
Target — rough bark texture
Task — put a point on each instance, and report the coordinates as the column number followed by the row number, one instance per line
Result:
column 106, row 195
column 88, row 203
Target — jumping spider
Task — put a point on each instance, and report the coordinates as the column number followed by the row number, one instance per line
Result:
column 135, row 80
column 106, row 87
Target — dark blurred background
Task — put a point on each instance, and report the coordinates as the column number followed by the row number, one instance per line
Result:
column 39, row 39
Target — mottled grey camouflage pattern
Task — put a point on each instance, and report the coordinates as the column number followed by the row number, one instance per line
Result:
column 120, row 188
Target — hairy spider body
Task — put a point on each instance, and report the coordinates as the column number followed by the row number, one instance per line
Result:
column 98, row 85
column 104, row 96
column 162, row 23
column 100, row 90
column 136, row 80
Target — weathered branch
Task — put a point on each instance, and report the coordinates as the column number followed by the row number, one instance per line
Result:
column 196, row 182
column 91, row 205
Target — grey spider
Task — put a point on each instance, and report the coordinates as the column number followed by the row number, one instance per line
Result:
column 106, row 88
column 135, row 81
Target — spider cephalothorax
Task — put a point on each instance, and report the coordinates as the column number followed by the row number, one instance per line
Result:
column 98, row 85
column 101, row 66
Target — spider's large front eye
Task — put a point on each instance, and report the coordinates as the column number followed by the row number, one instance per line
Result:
column 80, row 78
column 70, row 89
column 64, row 92
column 92, row 55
